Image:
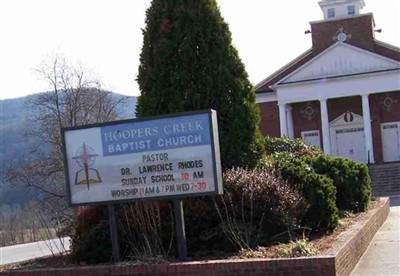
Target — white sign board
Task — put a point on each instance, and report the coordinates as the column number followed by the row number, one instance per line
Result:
column 174, row 156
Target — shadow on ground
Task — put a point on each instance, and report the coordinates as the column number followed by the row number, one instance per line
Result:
column 395, row 201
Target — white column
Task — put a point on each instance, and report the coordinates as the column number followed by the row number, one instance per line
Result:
column 325, row 126
column 289, row 119
column 367, row 129
column 282, row 119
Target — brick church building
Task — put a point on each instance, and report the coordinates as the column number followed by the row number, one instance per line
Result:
column 343, row 94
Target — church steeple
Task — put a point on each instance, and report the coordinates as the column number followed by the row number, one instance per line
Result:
column 335, row 9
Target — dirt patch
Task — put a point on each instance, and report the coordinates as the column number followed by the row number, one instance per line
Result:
column 324, row 243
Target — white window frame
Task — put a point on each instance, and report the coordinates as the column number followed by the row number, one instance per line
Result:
column 331, row 12
column 351, row 10
column 315, row 132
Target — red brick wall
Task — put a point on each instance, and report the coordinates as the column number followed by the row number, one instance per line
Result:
column 337, row 107
column 357, row 239
column 387, row 52
column 269, row 123
column 301, row 123
column 361, row 29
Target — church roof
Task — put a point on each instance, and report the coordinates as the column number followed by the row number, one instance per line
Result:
column 382, row 51
column 341, row 59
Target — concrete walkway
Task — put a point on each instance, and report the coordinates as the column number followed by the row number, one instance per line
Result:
column 382, row 257
column 27, row 251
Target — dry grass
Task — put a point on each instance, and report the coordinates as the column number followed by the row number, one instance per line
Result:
column 299, row 248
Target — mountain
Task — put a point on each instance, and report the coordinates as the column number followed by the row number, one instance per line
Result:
column 15, row 145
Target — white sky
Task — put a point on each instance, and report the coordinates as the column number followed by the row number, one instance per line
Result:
column 105, row 35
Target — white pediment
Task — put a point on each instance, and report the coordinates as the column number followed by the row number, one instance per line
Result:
column 347, row 118
column 341, row 59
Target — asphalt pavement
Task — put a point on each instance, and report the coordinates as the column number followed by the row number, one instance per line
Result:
column 28, row 251
column 382, row 256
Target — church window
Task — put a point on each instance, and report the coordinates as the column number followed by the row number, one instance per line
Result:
column 351, row 10
column 331, row 13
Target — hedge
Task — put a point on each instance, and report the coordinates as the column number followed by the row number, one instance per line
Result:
column 318, row 190
column 296, row 146
column 351, row 179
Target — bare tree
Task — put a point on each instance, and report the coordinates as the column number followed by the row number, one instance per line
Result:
column 75, row 99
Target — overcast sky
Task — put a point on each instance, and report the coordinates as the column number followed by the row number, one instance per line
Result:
column 105, row 35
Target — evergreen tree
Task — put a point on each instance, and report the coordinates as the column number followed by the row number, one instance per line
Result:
column 188, row 63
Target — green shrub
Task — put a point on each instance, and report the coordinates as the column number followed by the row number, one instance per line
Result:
column 318, row 190
column 256, row 206
column 266, row 162
column 351, row 179
column 296, row 146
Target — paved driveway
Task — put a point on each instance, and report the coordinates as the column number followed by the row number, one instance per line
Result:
column 28, row 251
column 382, row 256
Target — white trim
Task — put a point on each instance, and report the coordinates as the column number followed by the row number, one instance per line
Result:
column 266, row 97
column 393, row 64
column 339, row 121
column 387, row 45
column 283, row 120
column 326, row 137
column 391, row 124
column 369, row 146
column 373, row 83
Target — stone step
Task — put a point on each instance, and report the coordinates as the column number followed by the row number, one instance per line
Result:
column 385, row 179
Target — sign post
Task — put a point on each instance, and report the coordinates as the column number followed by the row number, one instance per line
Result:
column 180, row 229
column 163, row 157
column 113, row 233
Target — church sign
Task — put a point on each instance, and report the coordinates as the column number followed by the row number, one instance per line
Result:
column 159, row 157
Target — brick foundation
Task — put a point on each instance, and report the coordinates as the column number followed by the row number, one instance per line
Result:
column 340, row 260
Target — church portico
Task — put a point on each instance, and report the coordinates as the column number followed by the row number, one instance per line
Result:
column 313, row 122
column 327, row 122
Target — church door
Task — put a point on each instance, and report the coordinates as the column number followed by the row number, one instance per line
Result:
column 347, row 137
column 351, row 143
column 390, row 141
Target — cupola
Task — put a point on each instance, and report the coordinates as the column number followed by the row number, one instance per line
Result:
column 337, row 9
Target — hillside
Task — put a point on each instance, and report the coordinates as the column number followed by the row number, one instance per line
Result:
column 15, row 145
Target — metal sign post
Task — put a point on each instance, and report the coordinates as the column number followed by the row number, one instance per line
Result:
column 180, row 229
column 113, row 233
